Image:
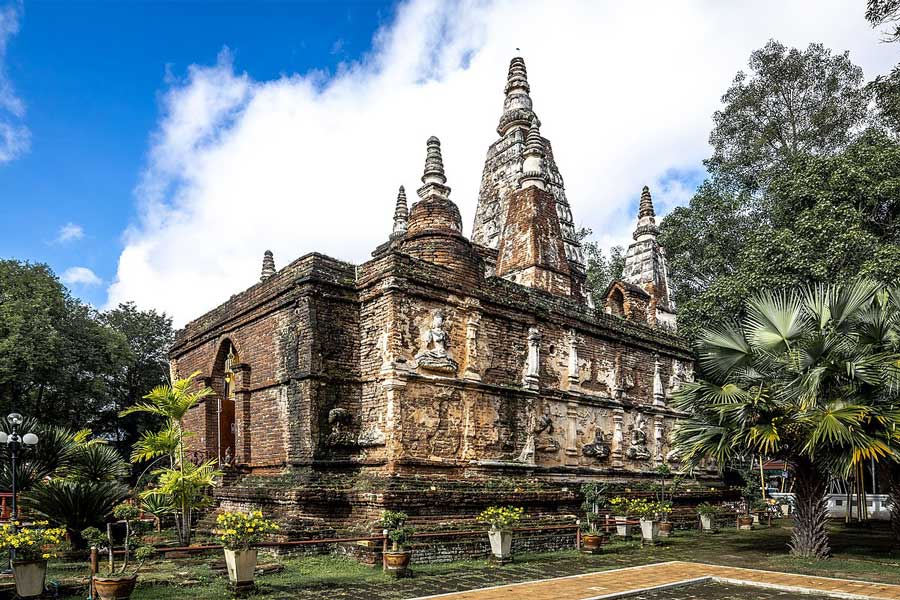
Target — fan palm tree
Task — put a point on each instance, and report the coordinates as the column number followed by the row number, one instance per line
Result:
column 808, row 376
column 182, row 481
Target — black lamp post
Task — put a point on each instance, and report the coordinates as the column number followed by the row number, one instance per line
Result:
column 15, row 443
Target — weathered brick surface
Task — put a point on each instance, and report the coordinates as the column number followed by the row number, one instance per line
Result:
column 423, row 362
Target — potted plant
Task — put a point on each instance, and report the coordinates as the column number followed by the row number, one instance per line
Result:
column 665, row 495
column 238, row 531
column 116, row 584
column 622, row 511
column 501, row 519
column 594, row 498
column 33, row 546
column 663, row 510
column 757, row 510
column 744, row 519
column 396, row 560
column 707, row 514
column 648, row 512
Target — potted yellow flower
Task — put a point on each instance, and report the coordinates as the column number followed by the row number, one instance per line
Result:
column 117, row 584
column 33, row 546
column 238, row 531
column 501, row 519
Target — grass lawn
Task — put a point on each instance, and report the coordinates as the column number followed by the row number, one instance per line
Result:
column 859, row 553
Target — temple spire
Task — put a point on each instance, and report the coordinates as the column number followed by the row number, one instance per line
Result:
column 517, row 107
column 434, row 163
column 268, row 265
column 646, row 226
column 646, row 209
column 433, row 178
column 533, row 173
column 401, row 213
column 517, row 77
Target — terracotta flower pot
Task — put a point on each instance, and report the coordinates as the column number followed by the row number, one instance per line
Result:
column 665, row 528
column 115, row 588
column 501, row 544
column 30, row 576
column 591, row 543
column 745, row 522
column 397, row 563
column 241, row 566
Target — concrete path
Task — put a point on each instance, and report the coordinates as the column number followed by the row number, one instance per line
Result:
column 618, row 582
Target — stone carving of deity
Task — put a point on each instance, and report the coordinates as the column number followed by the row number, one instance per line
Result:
column 599, row 448
column 435, row 355
column 527, row 454
column 638, row 449
column 545, row 443
column 341, row 421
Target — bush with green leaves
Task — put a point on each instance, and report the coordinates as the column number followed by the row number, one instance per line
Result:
column 398, row 531
column 502, row 517
column 594, row 494
column 705, row 509
column 127, row 513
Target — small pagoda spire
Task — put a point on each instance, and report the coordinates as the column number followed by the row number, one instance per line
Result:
column 517, row 77
column 646, row 225
column 533, row 174
column 517, row 106
column 646, row 209
column 433, row 178
column 434, row 163
column 268, row 265
column 401, row 213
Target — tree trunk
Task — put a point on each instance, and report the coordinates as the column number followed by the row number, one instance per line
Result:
column 810, row 536
column 894, row 497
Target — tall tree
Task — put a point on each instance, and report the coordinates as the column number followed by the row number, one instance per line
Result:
column 805, row 377
column 885, row 12
column 600, row 269
column 56, row 358
column 793, row 102
column 827, row 218
column 148, row 335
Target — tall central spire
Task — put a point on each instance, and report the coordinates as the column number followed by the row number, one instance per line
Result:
column 505, row 167
column 517, row 106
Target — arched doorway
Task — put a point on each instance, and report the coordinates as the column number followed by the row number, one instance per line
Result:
column 225, row 407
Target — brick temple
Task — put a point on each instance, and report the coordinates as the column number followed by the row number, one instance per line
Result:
column 443, row 357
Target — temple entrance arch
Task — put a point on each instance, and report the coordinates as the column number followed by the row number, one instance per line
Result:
column 224, row 386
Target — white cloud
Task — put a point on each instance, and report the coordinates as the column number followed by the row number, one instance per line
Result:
column 70, row 232
column 80, row 276
column 15, row 138
column 312, row 162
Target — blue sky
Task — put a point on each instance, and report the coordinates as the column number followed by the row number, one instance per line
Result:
column 170, row 143
column 90, row 76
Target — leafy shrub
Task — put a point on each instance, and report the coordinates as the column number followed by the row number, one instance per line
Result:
column 34, row 542
column 501, row 517
column 706, row 509
column 240, row 530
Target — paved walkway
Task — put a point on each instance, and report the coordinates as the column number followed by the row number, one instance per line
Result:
column 610, row 584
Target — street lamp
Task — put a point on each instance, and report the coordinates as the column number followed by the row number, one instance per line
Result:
column 15, row 442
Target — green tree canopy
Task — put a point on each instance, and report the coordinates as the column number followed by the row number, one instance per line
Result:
column 792, row 103
column 71, row 365
column 825, row 219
